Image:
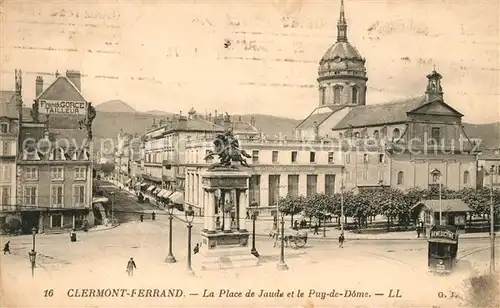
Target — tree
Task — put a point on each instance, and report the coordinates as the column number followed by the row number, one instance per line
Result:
column 317, row 206
column 108, row 168
column 477, row 199
column 359, row 206
column 393, row 204
column 291, row 206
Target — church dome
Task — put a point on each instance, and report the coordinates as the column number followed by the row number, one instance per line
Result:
column 342, row 51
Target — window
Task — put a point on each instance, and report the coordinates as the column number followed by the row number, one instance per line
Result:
column 275, row 157
column 31, row 173
column 381, row 158
column 294, row 157
column 365, row 158
column 312, row 157
column 79, row 195
column 347, row 158
column 57, row 173
column 322, row 96
column 466, row 177
column 347, row 176
column 293, row 185
column 376, row 134
column 355, row 95
column 312, row 184
column 6, row 148
column 30, row 195
column 255, row 156
column 254, row 188
column 331, row 158
column 363, row 175
column 337, row 92
column 57, row 195
column 329, row 184
column 6, row 172
column 381, row 175
column 4, row 128
column 396, row 133
column 4, row 195
column 274, row 189
column 436, row 134
column 400, row 178
column 80, row 173
column 210, row 159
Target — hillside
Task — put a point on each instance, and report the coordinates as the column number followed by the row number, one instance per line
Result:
column 489, row 133
column 115, row 105
column 158, row 112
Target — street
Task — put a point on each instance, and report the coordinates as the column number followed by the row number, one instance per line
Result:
column 98, row 260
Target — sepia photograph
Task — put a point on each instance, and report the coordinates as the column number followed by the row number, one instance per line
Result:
column 246, row 153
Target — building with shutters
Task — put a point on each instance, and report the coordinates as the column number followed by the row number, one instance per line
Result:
column 54, row 161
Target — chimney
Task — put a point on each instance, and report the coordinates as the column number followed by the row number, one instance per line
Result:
column 38, row 85
column 75, row 77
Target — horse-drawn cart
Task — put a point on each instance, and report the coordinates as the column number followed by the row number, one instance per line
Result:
column 296, row 239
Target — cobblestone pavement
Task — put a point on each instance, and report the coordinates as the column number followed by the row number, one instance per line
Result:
column 98, row 260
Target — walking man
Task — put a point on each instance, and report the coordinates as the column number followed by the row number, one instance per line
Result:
column 6, row 248
column 131, row 267
column 418, row 231
column 341, row 240
column 141, row 217
column 153, row 216
column 316, row 229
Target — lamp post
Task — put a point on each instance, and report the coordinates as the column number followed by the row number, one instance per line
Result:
column 492, row 221
column 342, row 200
column 282, row 266
column 189, row 219
column 112, row 208
column 170, row 258
column 436, row 174
column 32, row 253
column 253, row 209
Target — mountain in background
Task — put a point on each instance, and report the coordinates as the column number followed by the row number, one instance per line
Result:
column 116, row 105
column 116, row 115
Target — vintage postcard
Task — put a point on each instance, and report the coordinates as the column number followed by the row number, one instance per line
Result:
column 244, row 153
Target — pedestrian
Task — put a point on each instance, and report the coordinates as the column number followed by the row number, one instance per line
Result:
column 418, row 231
column 296, row 225
column 248, row 214
column 6, row 248
column 141, row 217
column 196, row 248
column 316, row 229
column 341, row 240
column 131, row 267
column 153, row 216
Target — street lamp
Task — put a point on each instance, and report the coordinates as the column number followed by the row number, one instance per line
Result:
column 112, row 208
column 342, row 201
column 253, row 209
column 282, row 266
column 170, row 258
column 32, row 253
column 189, row 219
column 436, row 174
column 492, row 221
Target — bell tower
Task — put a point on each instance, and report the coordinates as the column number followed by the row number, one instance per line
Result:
column 434, row 90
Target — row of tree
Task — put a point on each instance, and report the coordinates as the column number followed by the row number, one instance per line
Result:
column 389, row 202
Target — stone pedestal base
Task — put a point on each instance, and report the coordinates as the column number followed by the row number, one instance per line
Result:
column 224, row 251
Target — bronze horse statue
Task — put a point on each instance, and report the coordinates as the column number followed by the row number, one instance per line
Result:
column 227, row 148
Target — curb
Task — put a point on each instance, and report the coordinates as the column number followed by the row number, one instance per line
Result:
column 105, row 229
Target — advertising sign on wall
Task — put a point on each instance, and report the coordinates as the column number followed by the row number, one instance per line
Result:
column 63, row 107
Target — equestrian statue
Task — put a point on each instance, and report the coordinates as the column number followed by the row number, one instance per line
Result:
column 227, row 148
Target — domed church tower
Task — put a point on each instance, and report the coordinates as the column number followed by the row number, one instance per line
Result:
column 342, row 72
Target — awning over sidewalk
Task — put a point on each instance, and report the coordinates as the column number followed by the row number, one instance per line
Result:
column 177, row 197
column 150, row 188
column 164, row 193
column 100, row 200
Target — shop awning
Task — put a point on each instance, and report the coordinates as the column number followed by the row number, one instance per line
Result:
column 144, row 184
column 164, row 193
column 100, row 200
column 128, row 181
column 150, row 188
column 156, row 190
column 177, row 197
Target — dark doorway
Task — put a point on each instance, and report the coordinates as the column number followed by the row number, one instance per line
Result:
column 56, row 221
column 28, row 221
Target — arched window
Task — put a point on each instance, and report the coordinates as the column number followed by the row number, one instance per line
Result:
column 376, row 134
column 337, row 93
column 400, row 177
column 466, row 177
column 322, row 95
column 355, row 93
column 396, row 133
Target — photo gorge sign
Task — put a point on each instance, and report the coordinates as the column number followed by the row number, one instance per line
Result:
column 63, row 107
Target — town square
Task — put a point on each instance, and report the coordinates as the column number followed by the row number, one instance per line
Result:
column 247, row 161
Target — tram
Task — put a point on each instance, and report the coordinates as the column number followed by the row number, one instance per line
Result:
column 443, row 247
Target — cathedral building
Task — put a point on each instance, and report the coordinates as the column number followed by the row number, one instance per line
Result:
column 395, row 144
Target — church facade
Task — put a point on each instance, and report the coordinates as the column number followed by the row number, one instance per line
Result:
column 394, row 144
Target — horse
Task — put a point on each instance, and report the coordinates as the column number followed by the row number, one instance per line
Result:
column 276, row 235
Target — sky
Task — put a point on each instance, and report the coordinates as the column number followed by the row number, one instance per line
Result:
column 172, row 55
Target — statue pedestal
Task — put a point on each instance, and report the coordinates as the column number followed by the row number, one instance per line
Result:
column 228, row 248
column 224, row 250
